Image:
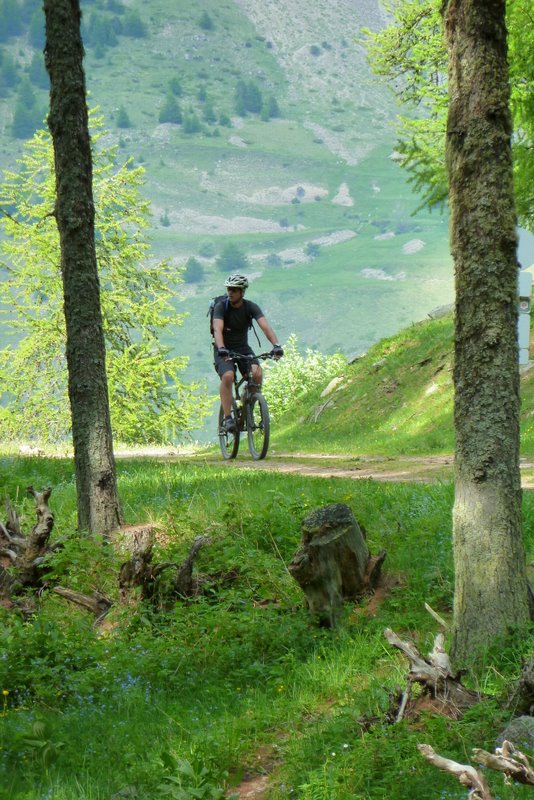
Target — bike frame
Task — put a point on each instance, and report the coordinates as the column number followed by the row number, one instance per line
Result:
column 250, row 410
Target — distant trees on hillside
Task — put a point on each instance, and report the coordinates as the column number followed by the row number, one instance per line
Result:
column 248, row 98
column 232, row 259
column 206, row 22
column 171, row 111
column 194, row 271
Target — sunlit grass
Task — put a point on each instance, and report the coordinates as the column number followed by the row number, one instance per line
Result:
column 242, row 672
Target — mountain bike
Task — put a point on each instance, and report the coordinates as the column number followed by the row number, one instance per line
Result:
column 249, row 411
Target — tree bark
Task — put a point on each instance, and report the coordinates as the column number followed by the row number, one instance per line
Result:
column 490, row 576
column 97, row 498
column 333, row 563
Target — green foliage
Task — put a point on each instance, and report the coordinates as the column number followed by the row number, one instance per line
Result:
column 192, row 123
column 123, row 119
column 37, row 72
column 248, row 98
column 188, row 780
column 171, row 111
column 194, row 271
column 232, row 259
column 175, row 87
column 411, row 54
column 133, row 25
column 289, row 379
column 206, row 22
column 181, row 702
column 149, row 402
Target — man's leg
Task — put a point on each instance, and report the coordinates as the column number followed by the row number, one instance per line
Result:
column 227, row 380
column 257, row 375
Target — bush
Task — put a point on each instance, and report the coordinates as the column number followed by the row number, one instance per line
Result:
column 194, row 271
column 123, row 120
column 295, row 375
column 171, row 111
column 133, row 25
column 232, row 259
column 206, row 22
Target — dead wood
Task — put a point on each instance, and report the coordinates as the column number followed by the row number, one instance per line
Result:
column 139, row 573
column 467, row 775
column 184, row 584
column 25, row 554
column 434, row 675
column 333, row 564
column 509, row 760
column 506, row 759
column 97, row 603
column 522, row 697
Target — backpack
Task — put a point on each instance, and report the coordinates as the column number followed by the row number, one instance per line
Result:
column 213, row 303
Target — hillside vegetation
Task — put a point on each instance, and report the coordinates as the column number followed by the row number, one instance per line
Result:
column 397, row 399
column 282, row 144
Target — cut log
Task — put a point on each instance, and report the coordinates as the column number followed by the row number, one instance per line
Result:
column 333, row 564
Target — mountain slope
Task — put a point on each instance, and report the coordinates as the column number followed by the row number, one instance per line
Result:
column 314, row 197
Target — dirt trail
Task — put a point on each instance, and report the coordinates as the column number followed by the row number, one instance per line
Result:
column 409, row 469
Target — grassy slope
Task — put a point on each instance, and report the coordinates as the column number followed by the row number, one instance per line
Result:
column 240, row 680
column 395, row 400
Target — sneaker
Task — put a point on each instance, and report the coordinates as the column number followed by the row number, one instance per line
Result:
column 228, row 425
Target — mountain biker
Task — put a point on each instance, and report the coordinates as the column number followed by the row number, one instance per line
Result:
column 232, row 319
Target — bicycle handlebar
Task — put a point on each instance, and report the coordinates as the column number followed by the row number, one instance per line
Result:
column 247, row 357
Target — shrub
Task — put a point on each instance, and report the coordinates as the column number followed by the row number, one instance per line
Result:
column 194, row 271
column 171, row 111
column 295, row 375
column 232, row 259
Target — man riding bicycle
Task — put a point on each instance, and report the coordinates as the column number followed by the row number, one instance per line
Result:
column 232, row 318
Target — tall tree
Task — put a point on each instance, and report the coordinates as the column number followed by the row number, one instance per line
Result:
column 98, row 504
column 411, row 54
column 490, row 583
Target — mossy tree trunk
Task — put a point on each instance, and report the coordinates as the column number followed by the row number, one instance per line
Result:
column 490, row 581
column 98, row 506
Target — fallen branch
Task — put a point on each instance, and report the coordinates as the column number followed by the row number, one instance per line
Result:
column 509, row 760
column 97, row 603
column 434, row 674
column 467, row 775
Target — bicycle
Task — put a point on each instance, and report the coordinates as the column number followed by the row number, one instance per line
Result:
column 249, row 411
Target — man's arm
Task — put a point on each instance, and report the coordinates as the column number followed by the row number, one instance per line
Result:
column 268, row 331
column 218, row 332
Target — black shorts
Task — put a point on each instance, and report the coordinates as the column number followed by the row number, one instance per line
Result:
column 222, row 366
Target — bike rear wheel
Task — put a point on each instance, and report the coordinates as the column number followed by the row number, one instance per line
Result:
column 229, row 440
column 258, row 426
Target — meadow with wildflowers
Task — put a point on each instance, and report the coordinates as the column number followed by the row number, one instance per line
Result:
column 189, row 700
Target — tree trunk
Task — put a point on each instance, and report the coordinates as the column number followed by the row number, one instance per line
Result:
column 98, row 505
column 490, row 581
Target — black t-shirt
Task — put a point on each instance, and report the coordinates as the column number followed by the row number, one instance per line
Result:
column 236, row 321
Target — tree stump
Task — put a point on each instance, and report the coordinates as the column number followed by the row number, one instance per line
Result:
column 333, row 563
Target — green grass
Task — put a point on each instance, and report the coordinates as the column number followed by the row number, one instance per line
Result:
column 396, row 400
column 239, row 681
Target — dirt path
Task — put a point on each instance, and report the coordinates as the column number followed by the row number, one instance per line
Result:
column 412, row 469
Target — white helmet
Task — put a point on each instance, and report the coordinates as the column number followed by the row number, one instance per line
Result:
column 238, row 281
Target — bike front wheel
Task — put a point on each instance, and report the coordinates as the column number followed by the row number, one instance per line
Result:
column 258, row 426
column 229, row 440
